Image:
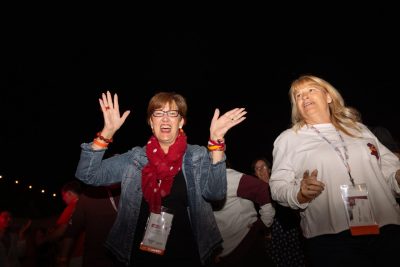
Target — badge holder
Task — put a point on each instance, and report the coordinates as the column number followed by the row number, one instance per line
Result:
column 157, row 231
column 358, row 210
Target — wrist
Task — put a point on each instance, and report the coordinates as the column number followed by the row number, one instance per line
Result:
column 104, row 137
column 216, row 145
column 217, row 140
column 302, row 198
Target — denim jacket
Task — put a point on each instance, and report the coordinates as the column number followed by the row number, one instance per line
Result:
column 204, row 181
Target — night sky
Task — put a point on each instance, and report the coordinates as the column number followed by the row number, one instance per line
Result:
column 52, row 81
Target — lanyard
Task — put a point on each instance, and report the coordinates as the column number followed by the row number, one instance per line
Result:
column 346, row 154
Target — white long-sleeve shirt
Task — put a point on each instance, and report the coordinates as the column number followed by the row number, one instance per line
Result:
column 238, row 212
column 295, row 153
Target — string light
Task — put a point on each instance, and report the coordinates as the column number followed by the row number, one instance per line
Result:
column 42, row 200
column 28, row 186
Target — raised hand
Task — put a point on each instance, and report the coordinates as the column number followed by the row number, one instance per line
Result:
column 221, row 125
column 112, row 118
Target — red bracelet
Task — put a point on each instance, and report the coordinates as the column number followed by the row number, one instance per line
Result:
column 97, row 143
column 217, row 143
column 102, row 138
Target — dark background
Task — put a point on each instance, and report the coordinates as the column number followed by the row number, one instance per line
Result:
column 52, row 79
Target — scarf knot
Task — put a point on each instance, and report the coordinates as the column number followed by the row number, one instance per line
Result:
column 158, row 175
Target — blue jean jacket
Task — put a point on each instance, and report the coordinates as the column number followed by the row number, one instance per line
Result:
column 204, row 181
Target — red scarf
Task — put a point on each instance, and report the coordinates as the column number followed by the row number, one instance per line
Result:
column 158, row 175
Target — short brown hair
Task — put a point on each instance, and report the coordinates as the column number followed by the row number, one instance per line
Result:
column 160, row 99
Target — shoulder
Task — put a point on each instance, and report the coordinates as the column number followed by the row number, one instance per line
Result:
column 285, row 137
column 134, row 155
column 137, row 150
column 231, row 173
column 362, row 129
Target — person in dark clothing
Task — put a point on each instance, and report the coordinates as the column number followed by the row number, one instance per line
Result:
column 94, row 215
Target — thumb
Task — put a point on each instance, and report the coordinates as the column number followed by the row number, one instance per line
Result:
column 216, row 114
column 314, row 174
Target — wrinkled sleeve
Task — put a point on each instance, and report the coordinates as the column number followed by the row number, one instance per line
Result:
column 93, row 170
column 254, row 189
column 390, row 163
column 283, row 186
column 214, row 184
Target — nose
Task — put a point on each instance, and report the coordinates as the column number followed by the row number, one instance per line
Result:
column 165, row 117
column 304, row 95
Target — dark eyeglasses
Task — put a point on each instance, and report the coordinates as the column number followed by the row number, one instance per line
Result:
column 170, row 113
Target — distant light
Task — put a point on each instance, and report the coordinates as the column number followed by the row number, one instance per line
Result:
column 16, row 181
column 30, row 187
column 43, row 191
column 1, row 176
column 54, row 194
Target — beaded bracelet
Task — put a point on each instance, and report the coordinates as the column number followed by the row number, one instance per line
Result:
column 102, row 138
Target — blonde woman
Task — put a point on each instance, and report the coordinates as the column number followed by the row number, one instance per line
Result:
column 344, row 181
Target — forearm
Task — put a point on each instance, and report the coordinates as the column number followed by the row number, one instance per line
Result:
column 267, row 213
column 215, row 184
column 217, row 156
column 287, row 194
column 93, row 170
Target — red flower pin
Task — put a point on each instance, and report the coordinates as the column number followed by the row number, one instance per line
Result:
column 373, row 149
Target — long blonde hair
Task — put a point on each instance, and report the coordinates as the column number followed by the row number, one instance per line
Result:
column 340, row 115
